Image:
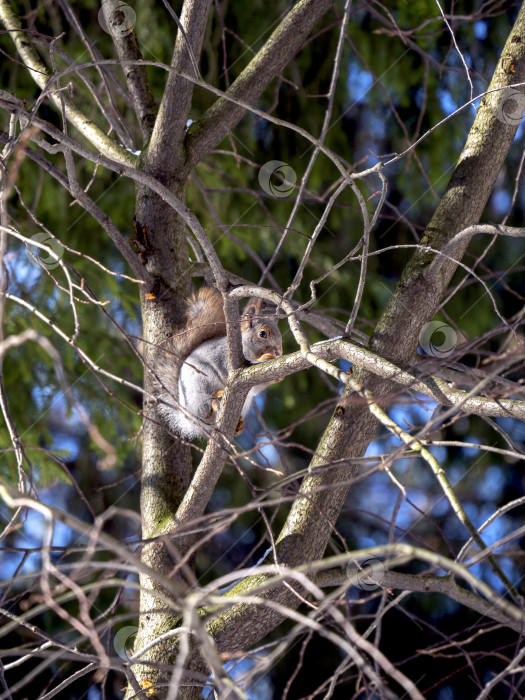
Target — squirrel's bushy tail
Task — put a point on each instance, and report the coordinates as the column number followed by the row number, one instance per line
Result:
column 205, row 320
column 205, row 306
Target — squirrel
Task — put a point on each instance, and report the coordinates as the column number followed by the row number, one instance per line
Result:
column 194, row 367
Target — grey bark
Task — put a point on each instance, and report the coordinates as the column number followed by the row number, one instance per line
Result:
column 170, row 156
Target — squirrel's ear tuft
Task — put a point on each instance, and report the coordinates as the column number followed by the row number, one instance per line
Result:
column 247, row 317
column 254, row 307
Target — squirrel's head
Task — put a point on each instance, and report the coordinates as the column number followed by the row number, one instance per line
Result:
column 261, row 339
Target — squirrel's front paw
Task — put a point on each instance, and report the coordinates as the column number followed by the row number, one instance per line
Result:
column 216, row 401
column 215, row 405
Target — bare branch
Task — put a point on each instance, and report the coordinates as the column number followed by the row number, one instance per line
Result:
column 129, row 53
column 41, row 76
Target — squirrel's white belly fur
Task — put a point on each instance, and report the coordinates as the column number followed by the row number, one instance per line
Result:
column 203, row 373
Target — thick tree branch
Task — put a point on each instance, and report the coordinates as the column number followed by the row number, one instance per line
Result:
column 170, row 126
column 280, row 48
column 420, row 583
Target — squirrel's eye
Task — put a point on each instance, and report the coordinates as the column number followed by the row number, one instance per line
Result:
column 263, row 334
